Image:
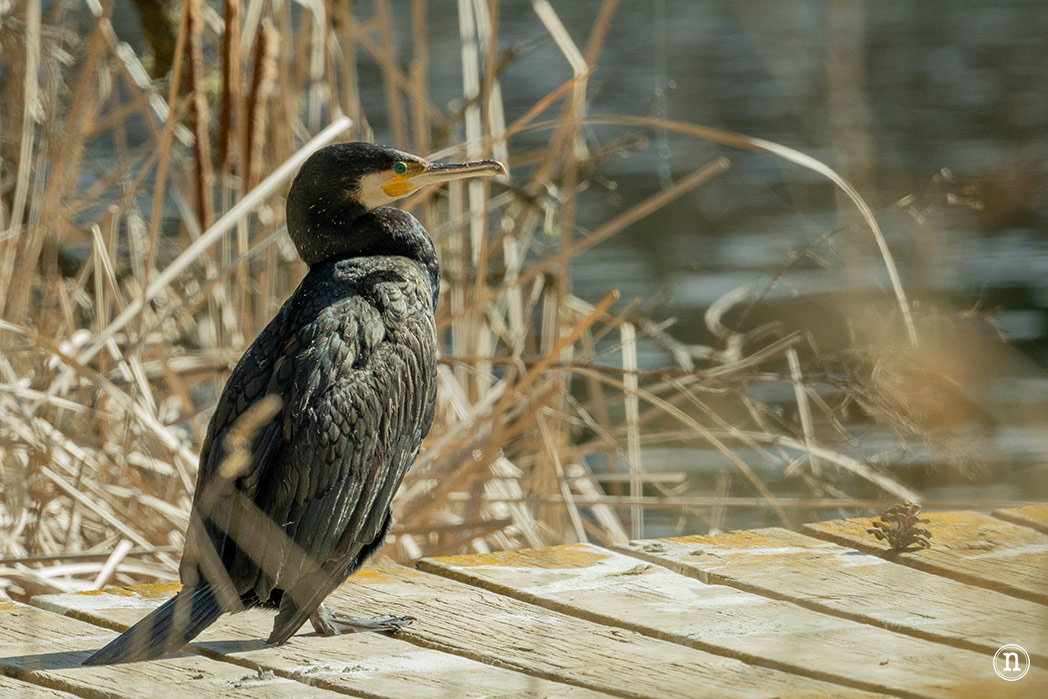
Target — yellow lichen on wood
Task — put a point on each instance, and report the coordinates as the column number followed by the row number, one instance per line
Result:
column 144, row 591
column 380, row 575
column 572, row 556
column 743, row 539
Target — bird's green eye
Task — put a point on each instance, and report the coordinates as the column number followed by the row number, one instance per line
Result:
column 400, row 168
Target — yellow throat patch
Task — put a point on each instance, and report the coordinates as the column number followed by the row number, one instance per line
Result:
column 398, row 187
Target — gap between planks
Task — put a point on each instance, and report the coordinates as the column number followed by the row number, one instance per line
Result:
column 1033, row 516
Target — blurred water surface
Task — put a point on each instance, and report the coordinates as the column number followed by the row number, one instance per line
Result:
column 941, row 102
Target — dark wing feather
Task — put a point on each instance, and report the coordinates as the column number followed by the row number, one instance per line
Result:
column 325, row 465
column 356, row 373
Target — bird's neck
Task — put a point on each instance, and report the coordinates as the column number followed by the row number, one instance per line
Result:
column 382, row 231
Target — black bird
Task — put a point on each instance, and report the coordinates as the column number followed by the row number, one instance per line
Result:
column 322, row 415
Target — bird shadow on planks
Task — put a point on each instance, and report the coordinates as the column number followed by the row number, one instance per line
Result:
column 63, row 660
column 12, row 665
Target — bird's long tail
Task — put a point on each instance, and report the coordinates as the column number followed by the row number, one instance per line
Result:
column 172, row 625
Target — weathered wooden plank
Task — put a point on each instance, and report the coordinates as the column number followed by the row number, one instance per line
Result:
column 372, row 665
column 837, row 580
column 613, row 589
column 507, row 632
column 46, row 649
column 384, row 666
column 10, row 687
column 1035, row 516
column 968, row 546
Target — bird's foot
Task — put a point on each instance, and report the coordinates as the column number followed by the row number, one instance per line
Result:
column 328, row 623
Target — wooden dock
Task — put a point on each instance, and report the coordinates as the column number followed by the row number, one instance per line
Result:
column 829, row 611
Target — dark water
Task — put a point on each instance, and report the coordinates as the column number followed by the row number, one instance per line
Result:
column 890, row 94
column 918, row 87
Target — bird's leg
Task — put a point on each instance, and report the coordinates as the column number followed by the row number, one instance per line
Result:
column 328, row 623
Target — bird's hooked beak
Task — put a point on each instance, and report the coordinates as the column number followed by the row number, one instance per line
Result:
column 418, row 175
column 436, row 173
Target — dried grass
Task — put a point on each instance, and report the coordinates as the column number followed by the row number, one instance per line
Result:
column 110, row 364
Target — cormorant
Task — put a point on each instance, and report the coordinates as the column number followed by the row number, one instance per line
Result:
column 322, row 415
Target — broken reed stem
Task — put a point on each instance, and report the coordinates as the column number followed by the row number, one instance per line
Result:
column 629, row 366
column 800, row 392
column 744, row 142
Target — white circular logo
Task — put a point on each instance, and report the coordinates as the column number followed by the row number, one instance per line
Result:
column 1011, row 662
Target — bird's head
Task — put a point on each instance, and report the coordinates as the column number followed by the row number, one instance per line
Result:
column 340, row 183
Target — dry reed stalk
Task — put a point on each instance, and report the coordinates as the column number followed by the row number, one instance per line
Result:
column 418, row 77
column 230, row 113
column 26, row 126
column 395, row 119
column 87, row 555
column 231, row 128
column 82, row 109
column 318, row 99
column 553, row 453
column 267, row 48
column 163, row 160
column 204, row 179
column 288, row 93
column 343, row 65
